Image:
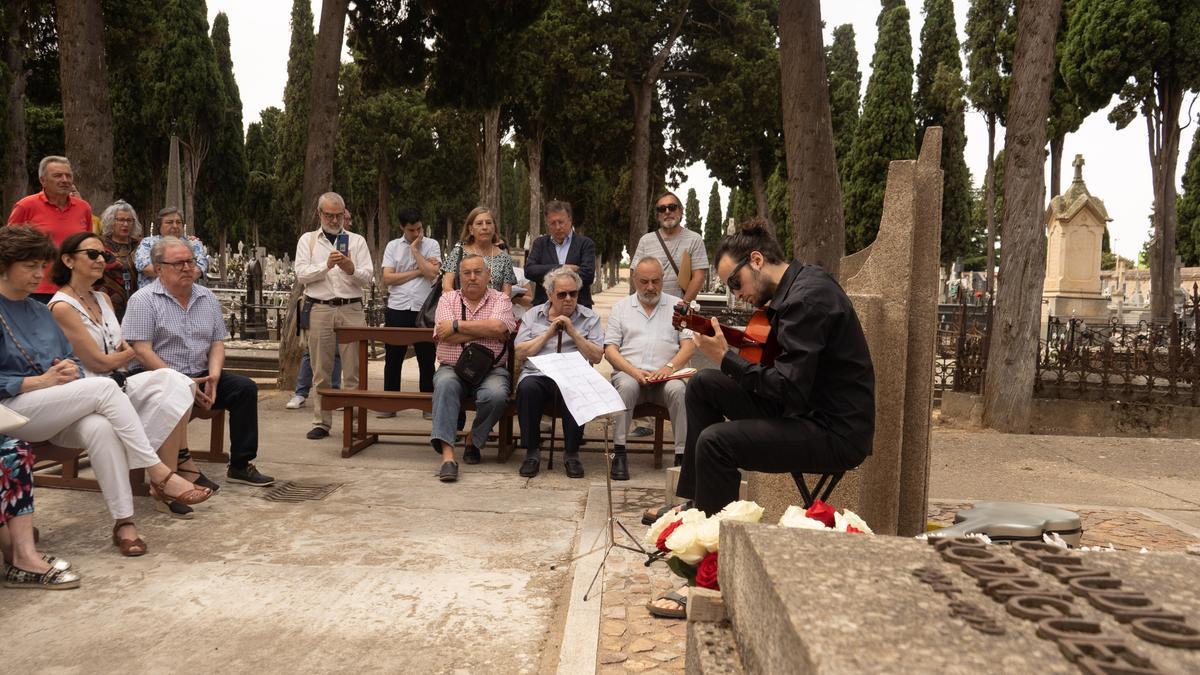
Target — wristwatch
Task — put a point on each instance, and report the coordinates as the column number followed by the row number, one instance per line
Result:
column 454, row 326
column 670, row 365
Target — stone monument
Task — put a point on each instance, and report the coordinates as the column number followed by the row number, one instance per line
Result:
column 1075, row 231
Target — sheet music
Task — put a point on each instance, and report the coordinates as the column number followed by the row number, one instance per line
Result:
column 585, row 391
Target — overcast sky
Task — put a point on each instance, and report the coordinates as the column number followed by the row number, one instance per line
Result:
column 1117, row 167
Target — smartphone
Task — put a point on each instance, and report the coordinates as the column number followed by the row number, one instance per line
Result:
column 343, row 244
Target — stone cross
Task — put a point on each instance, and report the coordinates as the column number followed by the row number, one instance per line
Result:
column 1078, row 164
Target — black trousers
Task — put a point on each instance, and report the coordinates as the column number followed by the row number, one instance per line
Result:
column 393, row 355
column 533, row 393
column 756, row 439
column 238, row 395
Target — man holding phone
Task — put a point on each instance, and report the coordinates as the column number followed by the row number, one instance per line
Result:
column 334, row 265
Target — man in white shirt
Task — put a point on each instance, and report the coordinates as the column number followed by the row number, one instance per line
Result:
column 334, row 265
column 644, row 348
column 411, row 263
column 679, row 250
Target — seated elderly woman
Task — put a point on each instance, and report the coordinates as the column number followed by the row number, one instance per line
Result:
column 24, row 567
column 162, row 398
column 121, row 232
column 40, row 378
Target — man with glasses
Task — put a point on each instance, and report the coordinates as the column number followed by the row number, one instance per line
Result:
column 175, row 323
column 170, row 224
column 55, row 211
column 679, row 250
column 334, row 265
column 558, row 325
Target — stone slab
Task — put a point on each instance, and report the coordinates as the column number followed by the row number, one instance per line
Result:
column 824, row 602
column 711, row 649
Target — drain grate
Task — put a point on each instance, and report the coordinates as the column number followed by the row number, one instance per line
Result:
column 299, row 492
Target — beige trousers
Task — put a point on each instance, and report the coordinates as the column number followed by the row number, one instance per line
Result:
column 322, row 342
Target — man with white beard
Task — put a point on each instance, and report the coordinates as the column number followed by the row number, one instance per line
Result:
column 644, row 348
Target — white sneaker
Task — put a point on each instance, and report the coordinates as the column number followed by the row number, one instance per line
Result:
column 296, row 402
column 385, row 414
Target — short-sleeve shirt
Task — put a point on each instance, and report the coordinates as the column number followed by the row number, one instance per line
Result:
column 686, row 241
column 56, row 223
column 35, row 336
column 500, row 264
column 647, row 341
column 537, row 320
column 181, row 337
column 398, row 255
column 141, row 256
column 495, row 305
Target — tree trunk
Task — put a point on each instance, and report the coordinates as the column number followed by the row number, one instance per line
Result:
column 195, row 149
column 533, row 148
column 16, row 177
column 323, row 109
column 1008, row 387
column 384, row 234
column 87, row 115
column 989, row 200
column 759, row 186
column 1056, row 152
column 814, row 192
column 1162, row 122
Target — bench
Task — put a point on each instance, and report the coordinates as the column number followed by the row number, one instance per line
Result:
column 356, row 402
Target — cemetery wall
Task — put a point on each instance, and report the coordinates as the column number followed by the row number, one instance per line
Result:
column 1064, row 417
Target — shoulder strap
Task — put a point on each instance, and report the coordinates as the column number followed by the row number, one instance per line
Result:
column 671, row 259
column 7, row 329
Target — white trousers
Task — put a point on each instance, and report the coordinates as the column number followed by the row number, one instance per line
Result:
column 668, row 394
column 94, row 414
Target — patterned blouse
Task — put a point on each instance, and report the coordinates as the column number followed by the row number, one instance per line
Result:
column 120, row 279
column 500, row 264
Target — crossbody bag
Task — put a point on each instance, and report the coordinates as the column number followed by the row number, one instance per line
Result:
column 476, row 361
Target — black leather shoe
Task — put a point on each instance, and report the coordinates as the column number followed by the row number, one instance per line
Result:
column 679, row 459
column 471, row 455
column 449, row 472
column 620, row 467
column 574, row 467
column 530, row 467
column 317, row 433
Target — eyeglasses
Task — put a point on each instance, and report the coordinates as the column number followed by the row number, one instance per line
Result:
column 734, row 282
column 563, row 295
column 332, row 216
column 124, row 220
column 95, row 254
column 663, row 208
column 181, row 264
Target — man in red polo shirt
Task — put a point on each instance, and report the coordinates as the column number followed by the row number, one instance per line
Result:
column 53, row 210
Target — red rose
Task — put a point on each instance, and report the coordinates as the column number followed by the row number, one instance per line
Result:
column 662, row 538
column 706, row 573
column 822, row 512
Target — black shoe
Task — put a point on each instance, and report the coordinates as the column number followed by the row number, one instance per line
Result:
column 206, row 482
column 471, row 454
column 620, row 467
column 249, row 476
column 530, row 467
column 678, row 461
column 317, row 433
column 449, row 472
column 174, row 509
column 574, row 467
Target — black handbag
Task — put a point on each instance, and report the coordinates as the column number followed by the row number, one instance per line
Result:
column 427, row 315
column 476, row 361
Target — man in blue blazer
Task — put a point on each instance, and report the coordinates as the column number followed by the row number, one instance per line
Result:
column 562, row 245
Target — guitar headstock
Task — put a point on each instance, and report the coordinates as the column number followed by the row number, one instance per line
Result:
column 679, row 316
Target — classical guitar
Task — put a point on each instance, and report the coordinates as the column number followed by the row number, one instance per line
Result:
column 754, row 342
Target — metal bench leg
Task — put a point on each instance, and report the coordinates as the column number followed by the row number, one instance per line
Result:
column 824, row 487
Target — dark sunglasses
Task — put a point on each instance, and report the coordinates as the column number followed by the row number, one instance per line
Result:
column 734, row 282
column 663, row 208
column 94, row 254
column 563, row 295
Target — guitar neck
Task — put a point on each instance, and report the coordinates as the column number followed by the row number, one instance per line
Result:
column 736, row 337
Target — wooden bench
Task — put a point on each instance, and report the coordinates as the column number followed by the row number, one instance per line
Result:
column 356, row 402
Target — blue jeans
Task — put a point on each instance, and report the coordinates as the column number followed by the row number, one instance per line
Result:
column 491, row 398
column 304, row 378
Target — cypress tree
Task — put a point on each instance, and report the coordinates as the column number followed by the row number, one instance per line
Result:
column 293, row 132
column 939, row 102
column 224, row 181
column 731, row 207
column 1188, row 208
column 886, row 129
column 845, row 83
column 691, row 212
column 713, row 225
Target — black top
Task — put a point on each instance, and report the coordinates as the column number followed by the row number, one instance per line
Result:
column 824, row 369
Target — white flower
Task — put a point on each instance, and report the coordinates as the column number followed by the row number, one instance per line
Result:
column 656, row 530
column 747, row 512
column 685, row 545
column 693, row 517
column 1054, row 538
column 708, row 533
column 848, row 518
column 794, row 517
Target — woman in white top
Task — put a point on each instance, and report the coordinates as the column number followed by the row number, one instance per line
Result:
column 163, row 398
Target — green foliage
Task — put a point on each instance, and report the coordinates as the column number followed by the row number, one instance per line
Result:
column 133, row 37
column 691, row 212
column 845, row 83
column 262, row 141
column 731, row 207
column 777, row 206
column 185, row 93
column 714, row 227
column 886, row 129
column 1188, row 209
column 991, row 35
column 223, row 184
column 293, row 133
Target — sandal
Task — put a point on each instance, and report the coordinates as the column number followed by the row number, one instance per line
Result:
column 130, row 548
column 192, row 496
column 651, row 515
column 666, row 613
column 200, row 480
column 53, row 579
column 56, row 563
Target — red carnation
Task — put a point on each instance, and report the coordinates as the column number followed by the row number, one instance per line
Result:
column 662, row 538
column 706, row 573
column 822, row 512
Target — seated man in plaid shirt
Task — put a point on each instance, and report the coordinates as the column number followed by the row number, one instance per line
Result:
column 481, row 315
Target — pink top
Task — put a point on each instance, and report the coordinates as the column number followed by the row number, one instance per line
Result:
column 495, row 305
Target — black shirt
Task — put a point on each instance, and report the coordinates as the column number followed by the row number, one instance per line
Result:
column 824, row 369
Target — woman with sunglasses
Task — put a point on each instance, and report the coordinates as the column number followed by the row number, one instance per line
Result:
column 41, row 378
column 121, row 232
